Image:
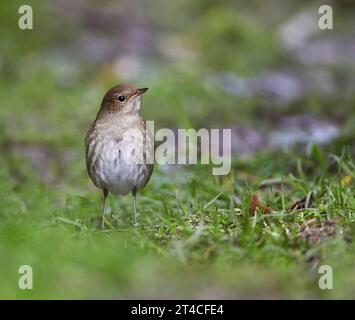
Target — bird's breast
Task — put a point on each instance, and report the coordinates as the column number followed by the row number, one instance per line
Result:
column 117, row 161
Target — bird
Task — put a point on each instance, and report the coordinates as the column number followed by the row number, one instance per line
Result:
column 119, row 146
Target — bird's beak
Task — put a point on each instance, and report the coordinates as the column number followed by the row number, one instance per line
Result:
column 140, row 91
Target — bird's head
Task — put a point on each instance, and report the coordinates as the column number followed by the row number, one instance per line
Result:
column 122, row 99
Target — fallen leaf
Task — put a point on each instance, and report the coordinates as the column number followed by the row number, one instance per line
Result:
column 303, row 203
column 254, row 201
column 317, row 232
column 346, row 181
column 265, row 209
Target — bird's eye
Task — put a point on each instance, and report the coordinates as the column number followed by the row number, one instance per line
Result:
column 121, row 98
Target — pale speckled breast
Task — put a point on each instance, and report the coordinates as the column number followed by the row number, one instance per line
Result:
column 117, row 156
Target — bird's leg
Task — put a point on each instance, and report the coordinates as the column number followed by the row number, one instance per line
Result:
column 104, row 210
column 134, row 193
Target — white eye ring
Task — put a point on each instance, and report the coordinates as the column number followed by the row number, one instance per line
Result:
column 121, row 98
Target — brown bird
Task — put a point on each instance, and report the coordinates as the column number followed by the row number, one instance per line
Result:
column 119, row 146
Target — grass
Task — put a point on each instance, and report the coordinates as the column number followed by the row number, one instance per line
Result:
column 260, row 232
column 198, row 236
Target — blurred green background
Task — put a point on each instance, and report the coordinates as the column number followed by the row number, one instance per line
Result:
column 263, row 69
